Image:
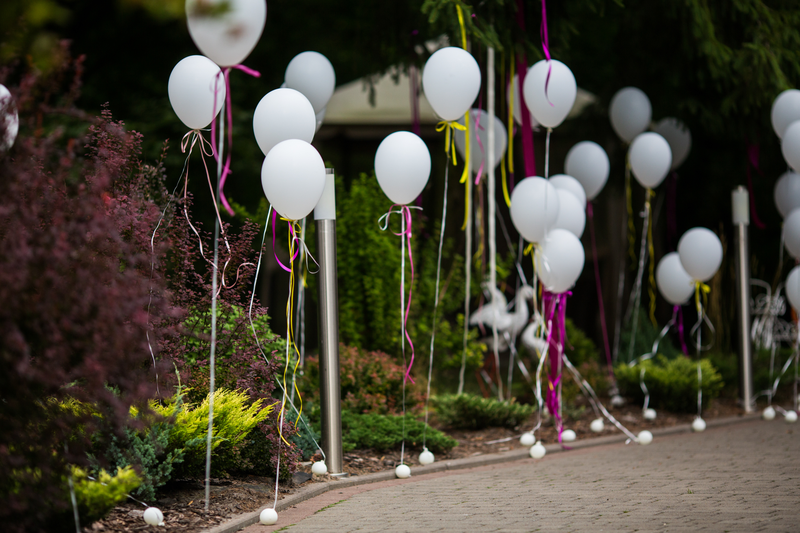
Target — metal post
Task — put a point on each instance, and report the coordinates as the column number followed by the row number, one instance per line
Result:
column 741, row 220
column 329, row 391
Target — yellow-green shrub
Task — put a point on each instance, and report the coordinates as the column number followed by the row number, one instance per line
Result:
column 98, row 496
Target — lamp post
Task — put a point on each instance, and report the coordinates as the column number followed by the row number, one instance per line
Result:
column 741, row 220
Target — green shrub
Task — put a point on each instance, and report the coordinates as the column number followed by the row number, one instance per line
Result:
column 672, row 382
column 97, row 497
column 304, row 440
column 579, row 348
column 466, row 411
column 385, row 432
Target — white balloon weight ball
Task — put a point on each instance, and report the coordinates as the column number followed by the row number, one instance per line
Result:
column 617, row 401
column 651, row 158
column 588, row 163
column 678, row 136
column 674, row 283
column 568, row 435
column 560, row 260
column 192, row 87
column 479, row 140
column 319, row 468
column 9, row 118
column 787, row 193
column 534, row 208
column 527, row 439
column 700, row 252
column 538, row 450
column 312, row 74
column 785, row 110
column 571, row 215
column 226, row 30
column 426, row 457
column 649, row 414
column 568, row 183
column 790, row 417
column 293, row 178
column 451, row 81
column 550, row 92
column 281, row 115
column 768, row 413
column 791, row 233
column 268, row 517
column 793, row 288
column 518, row 103
column 644, row 438
column 153, row 516
column 402, row 471
column 630, row 113
column 402, row 166
column 597, row 425
column 698, row 425
column 790, row 145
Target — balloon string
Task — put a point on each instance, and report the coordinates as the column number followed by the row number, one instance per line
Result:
column 465, row 175
column 478, row 127
column 600, row 303
column 652, row 273
column 654, row 351
column 644, row 389
column 636, row 291
column 631, row 223
column 511, row 118
column 699, row 390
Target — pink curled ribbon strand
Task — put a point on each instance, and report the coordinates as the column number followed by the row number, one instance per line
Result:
column 546, row 48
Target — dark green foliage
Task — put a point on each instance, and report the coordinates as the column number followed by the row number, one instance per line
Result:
column 646, row 334
column 306, row 437
column 385, row 433
column 579, row 348
column 466, row 411
column 672, row 382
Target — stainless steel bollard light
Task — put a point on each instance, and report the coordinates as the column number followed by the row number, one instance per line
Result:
column 330, row 404
column 741, row 220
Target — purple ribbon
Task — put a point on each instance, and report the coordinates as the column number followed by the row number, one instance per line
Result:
column 752, row 160
column 679, row 310
column 555, row 306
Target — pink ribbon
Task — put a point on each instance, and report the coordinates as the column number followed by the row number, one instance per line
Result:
column 606, row 343
column 294, row 238
column 555, row 306
column 546, row 48
column 527, row 134
column 480, row 142
column 227, row 166
column 405, row 212
column 679, row 311
column 752, row 160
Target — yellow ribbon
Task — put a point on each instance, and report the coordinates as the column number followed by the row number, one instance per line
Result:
column 651, row 250
column 463, row 29
column 506, row 197
column 290, row 328
column 450, row 136
column 465, row 175
column 700, row 287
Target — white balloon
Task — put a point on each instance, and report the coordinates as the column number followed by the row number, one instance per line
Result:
column 527, row 439
column 153, row 516
column 517, row 110
column 538, row 450
column 283, row 114
column 268, row 517
column 793, row 287
column 402, row 166
column 701, row 253
column 479, row 129
column 588, row 163
column 787, row 193
column 426, row 457
column 790, row 145
column 9, row 118
column 191, row 88
column 678, row 136
column 312, row 74
column 597, row 425
column 227, row 38
column 630, row 113
column 402, row 471
column 571, row 215
column 791, row 233
column 644, row 437
column 768, row 413
column 650, row 158
column 451, row 81
column 534, row 208
column 568, row 435
column 293, row 178
column 319, row 468
column 560, row 260
column 568, row 183
column 674, row 283
column 550, row 101
column 785, row 110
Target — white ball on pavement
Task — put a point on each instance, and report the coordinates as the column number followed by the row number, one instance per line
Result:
column 645, row 437
column 597, row 425
column 319, row 468
column 426, row 457
column 768, row 413
column 617, row 400
column 402, row 471
column 791, row 416
column 268, row 517
column 537, row 450
column 649, row 414
column 698, row 425
column 153, row 516
column 527, row 439
column 568, row 435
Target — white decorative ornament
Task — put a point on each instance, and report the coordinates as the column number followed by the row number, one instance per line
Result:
column 787, row 193
column 644, row 438
column 790, row 145
column 791, row 233
column 451, row 81
column 571, row 215
column 785, row 110
column 793, row 288
column 226, row 30
column 588, row 163
column 402, row 471
column 312, row 74
column 426, row 457
column 560, row 260
column 650, row 158
column 402, row 166
column 700, row 251
column 597, row 425
column 630, row 113
column 649, row 414
column 674, row 283
column 268, row 517
column 283, row 114
column 538, row 450
column 319, row 468
column 153, row 516
column 9, row 118
column 550, row 92
column 678, row 136
column 293, row 178
column 768, row 413
column 479, row 129
column 568, row 183
column 527, row 439
column 534, row 208
column 698, row 425
column 790, row 417
column 193, row 84
column 568, row 435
